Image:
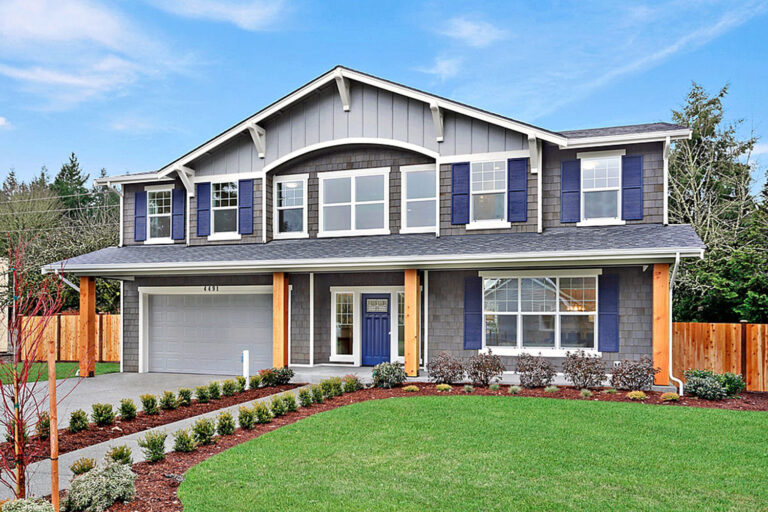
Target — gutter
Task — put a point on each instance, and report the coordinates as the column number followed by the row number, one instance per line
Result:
column 671, row 292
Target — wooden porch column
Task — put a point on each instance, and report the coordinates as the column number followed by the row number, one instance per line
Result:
column 86, row 347
column 412, row 322
column 661, row 323
column 279, row 320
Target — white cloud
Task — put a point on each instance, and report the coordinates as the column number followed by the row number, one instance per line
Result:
column 4, row 123
column 246, row 14
column 760, row 149
column 474, row 33
column 443, row 67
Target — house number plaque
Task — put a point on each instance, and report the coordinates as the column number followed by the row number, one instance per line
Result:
column 210, row 288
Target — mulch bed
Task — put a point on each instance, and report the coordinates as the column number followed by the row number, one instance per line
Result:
column 69, row 442
column 156, row 484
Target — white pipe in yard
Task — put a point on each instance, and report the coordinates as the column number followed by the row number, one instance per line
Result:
column 246, row 364
column 671, row 290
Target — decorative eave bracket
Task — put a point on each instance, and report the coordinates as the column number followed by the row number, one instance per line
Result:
column 437, row 119
column 534, row 147
column 343, row 85
column 185, row 173
column 259, row 136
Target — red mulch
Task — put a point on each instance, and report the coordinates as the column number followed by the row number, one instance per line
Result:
column 156, row 485
column 69, row 442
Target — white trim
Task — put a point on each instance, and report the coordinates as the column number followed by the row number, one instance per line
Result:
column 311, row 319
column 437, row 120
column 158, row 241
column 143, row 330
column 488, row 224
column 188, row 209
column 484, row 157
column 354, row 357
column 149, row 240
column 259, row 289
column 540, row 195
column 122, row 319
column 225, row 235
column 264, row 209
column 121, row 242
column 342, row 84
column 353, row 175
column 224, row 178
column 158, row 188
column 425, row 321
column 229, row 235
column 601, row 222
column 580, row 272
column 665, row 155
column 632, row 138
column 562, row 352
column 404, row 170
column 276, row 234
column 601, row 154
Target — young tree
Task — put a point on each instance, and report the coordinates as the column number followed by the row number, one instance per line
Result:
column 69, row 185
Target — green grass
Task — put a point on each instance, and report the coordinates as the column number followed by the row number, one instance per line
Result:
column 63, row 371
column 494, row 453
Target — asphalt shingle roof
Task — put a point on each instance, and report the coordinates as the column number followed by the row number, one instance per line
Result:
column 622, row 130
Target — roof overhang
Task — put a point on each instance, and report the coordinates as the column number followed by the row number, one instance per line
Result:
column 633, row 138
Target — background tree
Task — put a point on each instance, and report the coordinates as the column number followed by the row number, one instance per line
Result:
column 69, row 185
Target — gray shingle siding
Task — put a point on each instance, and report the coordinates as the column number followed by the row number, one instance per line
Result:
column 245, row 239
column 299, row 318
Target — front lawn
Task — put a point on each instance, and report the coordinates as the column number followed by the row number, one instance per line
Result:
column 494, row 453
column 63, row 371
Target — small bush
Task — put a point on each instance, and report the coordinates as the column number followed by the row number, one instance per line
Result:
column 332, row 386
column 254, row 382
column 202, row 395
column 127, row 409
column 228, row 387
column 584, row 370
column 277, row 406
column 185, row 397
column 120, row 454
column 203, row 431
column 388, row 375
column 168, row 401
column 610, row 391
column 241, row 382
column 43, row 426
column 283, row 376
column 468, row 388
column 262, row 413
column 24, row 432
column 149, row 404
column 246, row 418
column 98, row 489
column 153, row 445
column 82, row 466
column 28, row 505
column 514, row 390
column 225, row 425
column 327, row 388
column 637, row 395
column 183, row 441
column 669, row 397
column 731, row 383
column 78, row 421
column 102, row 414
column 482, row 369
column 268, row 377
column 443, row 388
column 352, row 383
column 411, row 389
column 289, row 399
column 305, row 397
column 445, row 369
column 585, row 393
column 634, row 375
column 708, row 388
column 551, row 389
column 534, row 371
column 318, row 395
column 214, row 390
column 494, row 387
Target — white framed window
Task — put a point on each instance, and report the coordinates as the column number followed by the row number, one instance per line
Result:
column 343, row 316
column 354, row 202
column 289, row 219
column 601, row 187
column 159, row 209
column 548, row 313
column 488, row 195
column 418, row 203
column 224, row 209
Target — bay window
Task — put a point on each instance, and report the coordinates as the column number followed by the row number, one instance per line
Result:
column 290, row 213
column 159, row 214
column 224, row 207
column 419, row 198
column 354, row 202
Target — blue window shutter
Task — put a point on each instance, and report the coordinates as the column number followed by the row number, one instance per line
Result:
column 608, row 313
column 473, row 313
column 570, row 191
column 140, row 216
column 178, row 213
column 245, row 207
column 517, row 190
column 203, row 209
column 632, row 187
column 460, row 193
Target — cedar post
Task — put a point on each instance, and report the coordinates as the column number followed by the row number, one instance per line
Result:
column 661, row 323
column 279, row 319
column 54, row 435
column 412, row 322
column 87, row 322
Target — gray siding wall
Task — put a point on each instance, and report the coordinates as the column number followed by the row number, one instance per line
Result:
column 299, row 318
column 129, row 200
column 246, row 239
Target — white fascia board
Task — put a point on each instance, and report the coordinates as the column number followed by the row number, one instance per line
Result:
column 130, row 178
column 634, row 138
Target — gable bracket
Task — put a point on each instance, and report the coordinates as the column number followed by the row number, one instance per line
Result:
column 343, row 85
column 437, row 119
column 534, row 148
column 259, row 136
column 185, row 173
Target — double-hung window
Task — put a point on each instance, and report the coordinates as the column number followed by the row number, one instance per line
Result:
column 290, row 199
column 224, row 208
column 342, row 348
column 601, row 186
column 419, row 198
column 159, row 215
column 354, row 202
column 488, row 204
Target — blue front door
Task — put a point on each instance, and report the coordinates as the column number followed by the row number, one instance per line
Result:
column 376, row 325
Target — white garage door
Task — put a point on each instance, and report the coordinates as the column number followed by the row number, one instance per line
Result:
column 208, row 333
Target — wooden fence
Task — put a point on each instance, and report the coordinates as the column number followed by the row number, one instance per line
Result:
column 736, row 348
column 64, row 331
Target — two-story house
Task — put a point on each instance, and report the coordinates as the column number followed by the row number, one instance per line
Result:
column 357, row 220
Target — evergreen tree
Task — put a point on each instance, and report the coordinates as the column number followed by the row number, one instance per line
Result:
column 69, row 184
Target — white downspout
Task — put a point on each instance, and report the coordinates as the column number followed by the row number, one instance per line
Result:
column 671, row 291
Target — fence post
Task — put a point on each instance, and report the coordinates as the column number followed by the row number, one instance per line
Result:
column 744, row 365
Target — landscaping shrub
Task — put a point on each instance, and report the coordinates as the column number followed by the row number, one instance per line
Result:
column 443, row 387
column 708, row 388
column 185, row 397
column 102, row 414
column 352, row 383
column 534, row 371
column 585, row 393
column 241, row 382
column 254, row 382
column 551, row 389
column 228, row 387
column 97, row 490
column 305, row 397
column 121, row 454
column 669, row 397
column 262, row 413
column 514, row 390
column 318, row 394
column 82, row 465
column 268, row 377
column 127, row 409
column 43, row 426
column 634, row 375
column 584, row 370
column 289, row 399
column 332, row 386
column 168, row 401
column 388, row 375
column 277, row 406
column 731, row 383
column 246, row 417
column 327, row 388
column 214, row 390
column 202, row 395
column 283, row 376
column 153, row 445
column 411, row 389
column 494, row 387
column 482, row 369
column 445, row 369
column 225, row 425
column 28, row 505
column 149, row 404
column 610, row 391
column 183, row 441
column 636, row 395
column 78, row 421
column 468, row 388
column 203, row 431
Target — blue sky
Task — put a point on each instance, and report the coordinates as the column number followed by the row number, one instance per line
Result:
column 130, row 85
